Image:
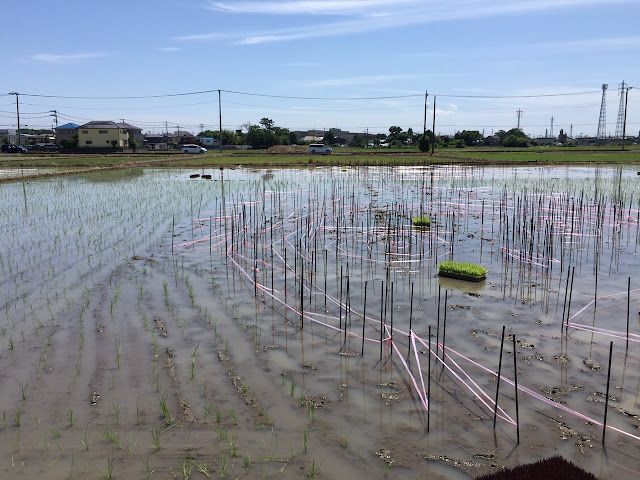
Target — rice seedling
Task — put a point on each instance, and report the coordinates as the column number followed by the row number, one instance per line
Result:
column 17, row 417
column 108, row 472
column 111, row 436
column 115, row 412
column 70, row 417
column 147, row 468
column 87, row 439
column 155, row 439
column 44, row 440
column 462, row 271
column 233, row 416
column 139, row 414
column 305, row 437
column 166, row 414
column 246, row 461
column 55, row 433
column 131, row 443
column 24, row 389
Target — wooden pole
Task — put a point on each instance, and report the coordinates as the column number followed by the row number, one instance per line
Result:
column 429, row 378
column 606, row 400
column 495, row 408
column 364, row 316
column 433, row 131
column 515, row 375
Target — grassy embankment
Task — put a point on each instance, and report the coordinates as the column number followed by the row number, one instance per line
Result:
column 72, row 164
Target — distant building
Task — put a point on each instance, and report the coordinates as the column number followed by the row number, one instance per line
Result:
column 102, row 135
column 208, row 141
column 9, row 134
column 155, row 142
column 66, row 132
column 134, row 132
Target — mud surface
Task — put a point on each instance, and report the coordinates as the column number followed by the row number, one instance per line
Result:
column 135, row 341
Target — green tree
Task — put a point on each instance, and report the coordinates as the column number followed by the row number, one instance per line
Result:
column 70, row 143
column 293, row 138
column 329, row 138
column 5, row 140
column 256, row 137
column 358, row 141
column 423, row 143
column 394, row 131
column 267, row 124
column 468, row 136
column 515, row 141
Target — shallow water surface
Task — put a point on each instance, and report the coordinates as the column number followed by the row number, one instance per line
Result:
column 155, row 322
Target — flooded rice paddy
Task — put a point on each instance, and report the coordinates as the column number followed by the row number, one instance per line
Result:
column 291, row 323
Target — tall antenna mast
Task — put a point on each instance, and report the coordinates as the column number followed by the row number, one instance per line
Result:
column 620, row 121
column 602, row 123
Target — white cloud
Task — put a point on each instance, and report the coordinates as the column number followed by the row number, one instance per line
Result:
column 362, row 80
column 374, row 15
column 590, row 44
column 306, row 7
column 169, row 49
column 66, row 58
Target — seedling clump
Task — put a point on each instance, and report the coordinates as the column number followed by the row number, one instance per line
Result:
column 462, row 271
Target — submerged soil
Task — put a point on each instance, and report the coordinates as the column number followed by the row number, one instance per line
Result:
column 158, row 326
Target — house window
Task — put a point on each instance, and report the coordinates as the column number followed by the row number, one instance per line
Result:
column 103, row 131
column 88, row 142
column 85, row 131
column 108, row 141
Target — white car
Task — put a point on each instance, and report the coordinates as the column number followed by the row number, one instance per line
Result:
column 193, row 149
column 319, row 148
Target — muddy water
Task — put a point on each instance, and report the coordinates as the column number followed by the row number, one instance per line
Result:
column 134, row 336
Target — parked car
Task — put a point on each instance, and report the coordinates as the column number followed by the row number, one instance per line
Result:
column 319, row 148
column 190, row 148
column 10, row 148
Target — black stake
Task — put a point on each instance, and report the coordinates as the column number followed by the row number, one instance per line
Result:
column 515, row 376
column 444, row 325
column 429, row 378
column 606, row 400
column 628, row 308
column 381, row 319
column 391, row 335
column 495, row 408
column 364, row 316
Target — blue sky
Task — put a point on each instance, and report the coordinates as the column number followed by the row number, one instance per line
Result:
column 353, row 64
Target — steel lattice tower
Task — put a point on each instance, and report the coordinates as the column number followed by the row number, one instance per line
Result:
column 602, row 123
column 620, row 121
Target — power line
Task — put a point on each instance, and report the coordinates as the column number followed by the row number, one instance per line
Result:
column 294, row 97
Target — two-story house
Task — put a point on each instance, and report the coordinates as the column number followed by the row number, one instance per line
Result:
column 102, row 134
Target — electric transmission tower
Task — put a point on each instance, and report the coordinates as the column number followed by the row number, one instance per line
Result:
column 519, row 112
column 620, row 121
column 551, row 131
column 602, row 123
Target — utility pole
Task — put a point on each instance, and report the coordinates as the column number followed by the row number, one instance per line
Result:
column 624, row 126
column 519, row 113
column 424, row 129
column 54, row 113
column 166, row 128
column 433, row 132
column 18, row 115
column 220, row 115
